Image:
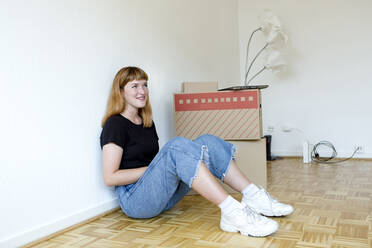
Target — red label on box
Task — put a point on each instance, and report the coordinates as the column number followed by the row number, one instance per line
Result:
column 217, row 101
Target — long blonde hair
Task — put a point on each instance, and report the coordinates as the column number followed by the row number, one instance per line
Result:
column 116, row 101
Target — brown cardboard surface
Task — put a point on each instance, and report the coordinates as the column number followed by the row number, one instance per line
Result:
column 199, row 87
column 251, row 159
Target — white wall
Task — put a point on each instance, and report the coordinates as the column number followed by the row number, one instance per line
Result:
column 326, row 91
column 57, row 62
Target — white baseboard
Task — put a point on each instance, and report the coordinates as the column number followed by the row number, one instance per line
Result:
column 342, row 154
column 58, row 224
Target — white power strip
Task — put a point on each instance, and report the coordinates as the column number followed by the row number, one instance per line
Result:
column 306, row 152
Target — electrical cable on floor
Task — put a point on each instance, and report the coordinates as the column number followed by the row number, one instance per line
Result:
column 326, row 160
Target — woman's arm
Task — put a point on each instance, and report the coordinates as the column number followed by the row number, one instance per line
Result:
column 111, row 158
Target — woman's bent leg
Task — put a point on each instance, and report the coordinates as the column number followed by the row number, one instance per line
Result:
column 221, row 161
column 181, row 191
column 220, row 154
column 178, row 161
column 235, row 178
column 256, row 198
column 206, row 185
column 183, row 160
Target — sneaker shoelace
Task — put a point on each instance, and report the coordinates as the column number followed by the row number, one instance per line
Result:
column 252, row 215
column 272, row 199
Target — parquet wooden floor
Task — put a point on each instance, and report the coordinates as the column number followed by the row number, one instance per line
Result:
column 333, row 208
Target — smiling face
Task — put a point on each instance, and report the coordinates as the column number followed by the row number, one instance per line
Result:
column 136, row 94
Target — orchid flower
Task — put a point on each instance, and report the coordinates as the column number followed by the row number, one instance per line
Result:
column 275, row 39
column 275, row 62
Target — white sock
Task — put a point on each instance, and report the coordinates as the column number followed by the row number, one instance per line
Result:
column 229, row 204
column 250, row 190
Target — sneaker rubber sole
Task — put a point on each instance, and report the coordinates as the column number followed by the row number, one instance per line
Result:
column 227, row 227
column 272, row 214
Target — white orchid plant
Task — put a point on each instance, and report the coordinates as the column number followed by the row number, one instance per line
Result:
column 275, row 39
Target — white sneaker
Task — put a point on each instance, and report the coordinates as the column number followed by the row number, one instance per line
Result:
column 262, row 202
column 247, row 222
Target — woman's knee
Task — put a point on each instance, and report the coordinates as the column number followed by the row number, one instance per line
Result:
column 178, row 141
column 208, row 138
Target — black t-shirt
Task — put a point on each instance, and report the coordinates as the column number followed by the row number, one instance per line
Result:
column 140, row 144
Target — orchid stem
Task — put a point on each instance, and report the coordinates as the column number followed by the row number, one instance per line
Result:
column 250, row 65
column 255, row 75
column 246, row 56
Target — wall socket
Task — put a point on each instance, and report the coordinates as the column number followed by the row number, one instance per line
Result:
column 270, row 129
column 287, row 128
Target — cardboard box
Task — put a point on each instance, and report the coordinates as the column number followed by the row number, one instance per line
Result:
column 199, row 87
column 230, row 115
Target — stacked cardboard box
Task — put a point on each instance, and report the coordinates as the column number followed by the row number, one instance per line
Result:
column 230, row 115
column 234, row 116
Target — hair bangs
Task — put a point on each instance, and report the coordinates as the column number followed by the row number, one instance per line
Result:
column 135, row 73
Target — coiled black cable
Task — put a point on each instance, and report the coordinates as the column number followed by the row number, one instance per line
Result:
column 326, row 160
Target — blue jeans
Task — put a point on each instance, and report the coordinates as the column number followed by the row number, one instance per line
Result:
column 170, row 174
